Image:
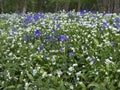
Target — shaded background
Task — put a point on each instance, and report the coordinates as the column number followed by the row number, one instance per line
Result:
column 10, row 6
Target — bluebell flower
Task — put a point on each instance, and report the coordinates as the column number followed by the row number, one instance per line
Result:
column 104, row 25
column 71, row 53
column 112, row 43
column 46, row 36
column 53, row 30
column 58, row 26
column 71, row 14
column 61, row 49
column 37, row 33
column 36, row 17
column 13, row 31
column 57, row 18
column 82, row 12
column 20, row 13
column 28, row 19
column 64, row 64
column 117, row 25
column 46, row 57
column 92, row 61
column 62, row 38
column 117, row 19
column 103, row 14
column 40, row 48
column 26, row 37
column 51, row 37
column 52, row 43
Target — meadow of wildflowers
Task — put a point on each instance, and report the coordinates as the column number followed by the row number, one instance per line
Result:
column 60, row 51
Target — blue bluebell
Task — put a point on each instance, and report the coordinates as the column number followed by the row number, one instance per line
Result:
column 62, row 38
column 37, row 33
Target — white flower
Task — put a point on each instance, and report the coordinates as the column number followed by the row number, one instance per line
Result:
column 80, row 82
column 71, row 87
column 26, row 85
column 34, row 72
column 97, row 73
column 107, row 61
column 78, row 73
column 44, row 74
column 59, row 72
column 118, row 70
column 10, row 54
column 49, row 75
column 68, row 73
column 71, row 68
column 75, row 64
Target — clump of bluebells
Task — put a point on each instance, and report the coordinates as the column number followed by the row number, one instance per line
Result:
column 60, row 51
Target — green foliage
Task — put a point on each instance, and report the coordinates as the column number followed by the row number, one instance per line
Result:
column 59, row 51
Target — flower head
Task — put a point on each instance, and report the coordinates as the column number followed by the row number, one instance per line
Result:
column 37, row 33
column 112, row 43
column 26, row 36
column 71, row 53
column 62, row 38
column 58, row 26
column 104, row 25
column 61, row 49
column 40, row 48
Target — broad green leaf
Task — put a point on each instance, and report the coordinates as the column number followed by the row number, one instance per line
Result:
column 93, row 85
column 12, row 87
column 30, row 76
column 20, row 87
column 51, row 89
column 29, row 88
column 95, row 41
column 83, row 86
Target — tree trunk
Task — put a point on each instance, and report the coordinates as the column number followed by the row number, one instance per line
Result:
column 79, row 6
column 1, row 6
column 116, row 6
column 100, row 5
column 66, row 6
column 25, row 6
column 17, row 5
column 104, row 5
column 57, row 5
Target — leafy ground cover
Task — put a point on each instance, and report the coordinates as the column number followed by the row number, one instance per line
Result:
column 60, row 51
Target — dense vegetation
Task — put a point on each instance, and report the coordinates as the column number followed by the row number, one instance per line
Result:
column 59, row 44
column 60, row 51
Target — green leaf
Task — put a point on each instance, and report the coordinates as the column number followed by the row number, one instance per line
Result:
column 93, row 85
column 20, row 87
column 83, row 86
column 12, row 87
column 29, row 88
column 95, row 41
column 30, row 76
column 51, row 89
column 119, row 84
column 83, row 76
